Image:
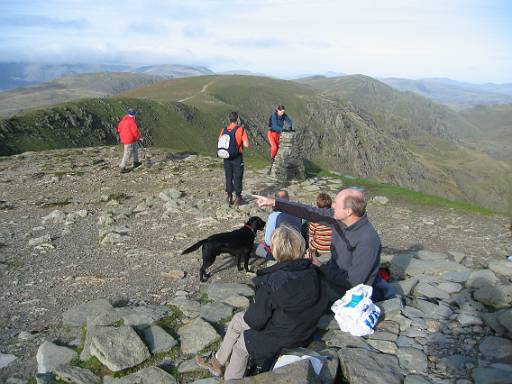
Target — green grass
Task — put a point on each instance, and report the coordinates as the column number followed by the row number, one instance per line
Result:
column 403, row 194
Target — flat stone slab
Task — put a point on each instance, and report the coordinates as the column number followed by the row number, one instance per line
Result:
column 497, row 297
column 412, row 359
column 431, row 310
column 496, row 349
column 491, row 376
column 220, row 291
column 197, row 335
column 189, row 366
column 430, row 291
column 6, row 359
column 119, row 348
column 501, row 267
column 157, row 339
column 189, row 308
column 390, row 307
column 77, row 316
column 216, row 312
column 360, row 366
column 51, row 356
column 143, row 315
column 481, row 278
column 505, row 319
column 300, row 372
column 152, row 375
column 383, row 346
column 433, row 267
column 340, row 339
column 236, row 301
column 76, row 375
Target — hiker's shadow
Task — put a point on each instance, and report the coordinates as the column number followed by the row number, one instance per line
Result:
column 227, row 261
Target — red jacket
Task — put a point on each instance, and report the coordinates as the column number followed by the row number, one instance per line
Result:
column 128, row 131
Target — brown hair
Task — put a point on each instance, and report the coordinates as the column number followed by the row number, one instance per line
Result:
column 233, row 117
column 323, row 200
column 280, row 107
column 287, row 244
column 357, row 203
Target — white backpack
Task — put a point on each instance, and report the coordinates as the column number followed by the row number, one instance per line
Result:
column 227, row 147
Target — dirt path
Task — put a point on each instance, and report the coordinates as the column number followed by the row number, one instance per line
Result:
column 203, row 90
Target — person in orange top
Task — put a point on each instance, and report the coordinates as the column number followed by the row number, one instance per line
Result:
column 129, row 134
column 320, row 235
column 234, row 165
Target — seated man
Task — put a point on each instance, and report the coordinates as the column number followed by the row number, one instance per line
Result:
column 290, row 299
column 355, row 245
column 274, row 221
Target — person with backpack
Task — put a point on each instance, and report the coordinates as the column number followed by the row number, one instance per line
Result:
column 129, row 135
column 276, row 126
column 232, row 140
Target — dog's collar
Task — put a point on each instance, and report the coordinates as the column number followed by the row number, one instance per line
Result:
column 251, row 228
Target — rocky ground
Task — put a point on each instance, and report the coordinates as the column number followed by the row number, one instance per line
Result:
column 74, row 230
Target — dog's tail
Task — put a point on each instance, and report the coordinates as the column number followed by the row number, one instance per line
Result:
column 194, row 247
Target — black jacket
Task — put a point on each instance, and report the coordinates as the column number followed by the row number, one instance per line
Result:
column 290, row 299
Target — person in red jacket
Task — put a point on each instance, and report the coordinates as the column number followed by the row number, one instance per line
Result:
column 129, row 134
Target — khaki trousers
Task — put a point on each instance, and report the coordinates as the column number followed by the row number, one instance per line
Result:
column 131, row 151
column 234, row 345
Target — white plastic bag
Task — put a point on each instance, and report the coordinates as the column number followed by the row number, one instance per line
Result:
column 355, row 312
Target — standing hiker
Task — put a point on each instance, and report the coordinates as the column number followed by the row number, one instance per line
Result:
column 129, row 134
column 276, row 125
column 232, row 140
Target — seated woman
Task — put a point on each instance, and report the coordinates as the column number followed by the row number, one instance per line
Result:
column 290, row 299
column 320, row 235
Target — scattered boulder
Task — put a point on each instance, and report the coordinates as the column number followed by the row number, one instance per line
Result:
column 383, row 200
column 119, row 348
column 189, row 308
column 505, row 319
column 496, row 349
column 412, row 359
column 157, row 339
column 236, row 301
column 216, row 312
column 219, row 291
column 483, row 375
column 497, row 297
column 77, row 315
column 150, row 375
column 55, row 217
column 76, row 375
column 6, row 359
column 501, row 267
column 197, row 335
column 300, row 372
column 170, row 194
column 360, row 366
column 481, row 278
column 51, row 356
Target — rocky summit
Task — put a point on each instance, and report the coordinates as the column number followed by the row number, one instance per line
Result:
column 94, row 288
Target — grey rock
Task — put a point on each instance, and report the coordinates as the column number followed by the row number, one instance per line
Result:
column 467, row 320
column 328, row 356
column 390, row 307
column 209, row 380
column 405, row 287
column 189, row 308
column 498, row 297
column 457, row 256
column 55, row 217
column 76, row 375
column 360, row 366
column 404, row 341
column 431, row 310
column 430, row 256
column 216, row 312
column 412, row 359
column 450, row 287
column 157, row 339
column 383, row 335
column 505, row 319
column 416, row 379
column 430, row 291
column 501, row 267
column 433, row 267
column 119, row 348
column 496, row 349
column 141, row 316
column 189, row 366
column 383, row 346
column 112, row 238
column 77, row 316
column 481, row 278
column 412, row 312
column 219, row 291
column 383, row 200
column 456, row 364
column 6, row 359
column 38, row 241
column 152, row 375
column 16, row 380
column 456, row 277
column 491, row 320
column 45, row 378
column 300, row 372
column 236, row 301
column 340, row 339
column 50, row 356
column 25, row 336
column 398, row 265
column 170, row 194
column 196, row 335
column 491, row 376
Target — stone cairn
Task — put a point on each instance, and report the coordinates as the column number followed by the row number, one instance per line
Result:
column 289, row 162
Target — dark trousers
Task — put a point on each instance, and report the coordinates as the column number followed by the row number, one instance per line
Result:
column 234, row 170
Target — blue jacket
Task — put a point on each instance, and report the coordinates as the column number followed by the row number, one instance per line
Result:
column 278, row 122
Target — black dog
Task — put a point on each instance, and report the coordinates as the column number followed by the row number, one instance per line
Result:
column 238, row 243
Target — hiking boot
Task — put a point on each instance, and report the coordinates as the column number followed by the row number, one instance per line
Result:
column 229, row 199
column 239, row 201
column 124, row 170
column 270, row 168
column 137, row 164
column 210, row 363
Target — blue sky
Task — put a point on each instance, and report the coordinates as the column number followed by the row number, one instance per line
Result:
column 465, row 40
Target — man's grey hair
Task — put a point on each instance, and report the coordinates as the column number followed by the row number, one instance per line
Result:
column 282, row 194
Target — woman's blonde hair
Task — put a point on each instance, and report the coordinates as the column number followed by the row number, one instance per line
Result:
column 287, row 244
